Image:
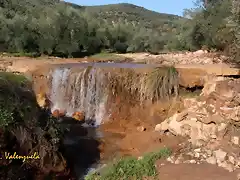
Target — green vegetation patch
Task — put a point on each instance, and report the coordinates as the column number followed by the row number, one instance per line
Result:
column 161, row 83
column 24, row 128
column 131, row 168
column 12, row 98
column 106, row 56
column 10, row 78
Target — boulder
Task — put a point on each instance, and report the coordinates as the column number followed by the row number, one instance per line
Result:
column 58, row 113
column 79, row 116
column 55, row 113
column 42, row 100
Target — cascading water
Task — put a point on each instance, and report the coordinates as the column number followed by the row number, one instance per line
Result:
column 102, row 91
column 81, row 91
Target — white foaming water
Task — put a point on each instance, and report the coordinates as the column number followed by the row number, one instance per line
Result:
column 83, row 91
column 59, row 81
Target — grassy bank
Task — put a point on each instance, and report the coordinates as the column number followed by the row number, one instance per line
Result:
column 130, row 168
column 26, row 129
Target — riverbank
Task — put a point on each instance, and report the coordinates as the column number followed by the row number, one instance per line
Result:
column 26, row 130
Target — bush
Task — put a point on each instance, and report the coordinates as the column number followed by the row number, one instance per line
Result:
column 120, row 47
column 24, row 128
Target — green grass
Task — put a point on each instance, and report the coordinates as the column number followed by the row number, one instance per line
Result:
column 21, row 54
column 106, row 56
column 161, row 83
column 130, row 168
column 10, row 96
column 7, row 77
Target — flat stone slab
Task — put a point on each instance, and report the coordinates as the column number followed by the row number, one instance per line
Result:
column 214, row 69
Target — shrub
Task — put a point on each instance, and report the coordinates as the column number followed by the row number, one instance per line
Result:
column 120, row 47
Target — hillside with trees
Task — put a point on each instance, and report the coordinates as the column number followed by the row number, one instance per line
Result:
column 57, row 28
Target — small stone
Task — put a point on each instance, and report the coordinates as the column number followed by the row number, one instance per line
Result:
column 55, row 113
column 200, row 143
column 79, row 116
column 193, row 161
column 209, row 152
column 213, row 136
column 140, row 158
column 197, row 150
column 226, row 166
column 141, row 128
column 211, row 160
column 179, row 160
column 231, row 159
column 220, row 155
column 170, row 159
column 238, row 163
column 162, row 127
column 197, row 155
column 222, row 127
column 238, row 176
column 235, row 140
column 190, row 154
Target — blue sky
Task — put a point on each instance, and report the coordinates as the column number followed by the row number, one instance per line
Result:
column 163, row 6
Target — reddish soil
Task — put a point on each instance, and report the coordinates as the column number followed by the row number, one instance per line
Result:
column 193, row 172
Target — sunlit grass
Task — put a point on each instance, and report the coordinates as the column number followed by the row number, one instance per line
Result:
column 131, row 168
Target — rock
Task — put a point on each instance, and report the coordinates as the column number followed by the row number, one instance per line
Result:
column 55, row 113
column 58, row 113
column 211, row 160
column 209, row 152
column 238, row 176
column 197, row 155
column 42, row 100
column 141, row 128
column 79, row 116
column 214, row 136
column 181, row 116
column 162, row 127
column 220, row 155
column 235, row 140
column 200, row 143
column 175, row 126
column 238, row 162
column 170, row 159
column 179, row 160
column 231, row 159
column 226, row 166
column 193, row 161
column 197, row 150
column 62, row 113
column 222, row 127
column 198, row 52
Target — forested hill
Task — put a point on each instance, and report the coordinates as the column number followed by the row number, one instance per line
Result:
column 54, row 27
column 130, row 14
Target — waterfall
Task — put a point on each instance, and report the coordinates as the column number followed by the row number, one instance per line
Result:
column 81, row 91
column 95, row 89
